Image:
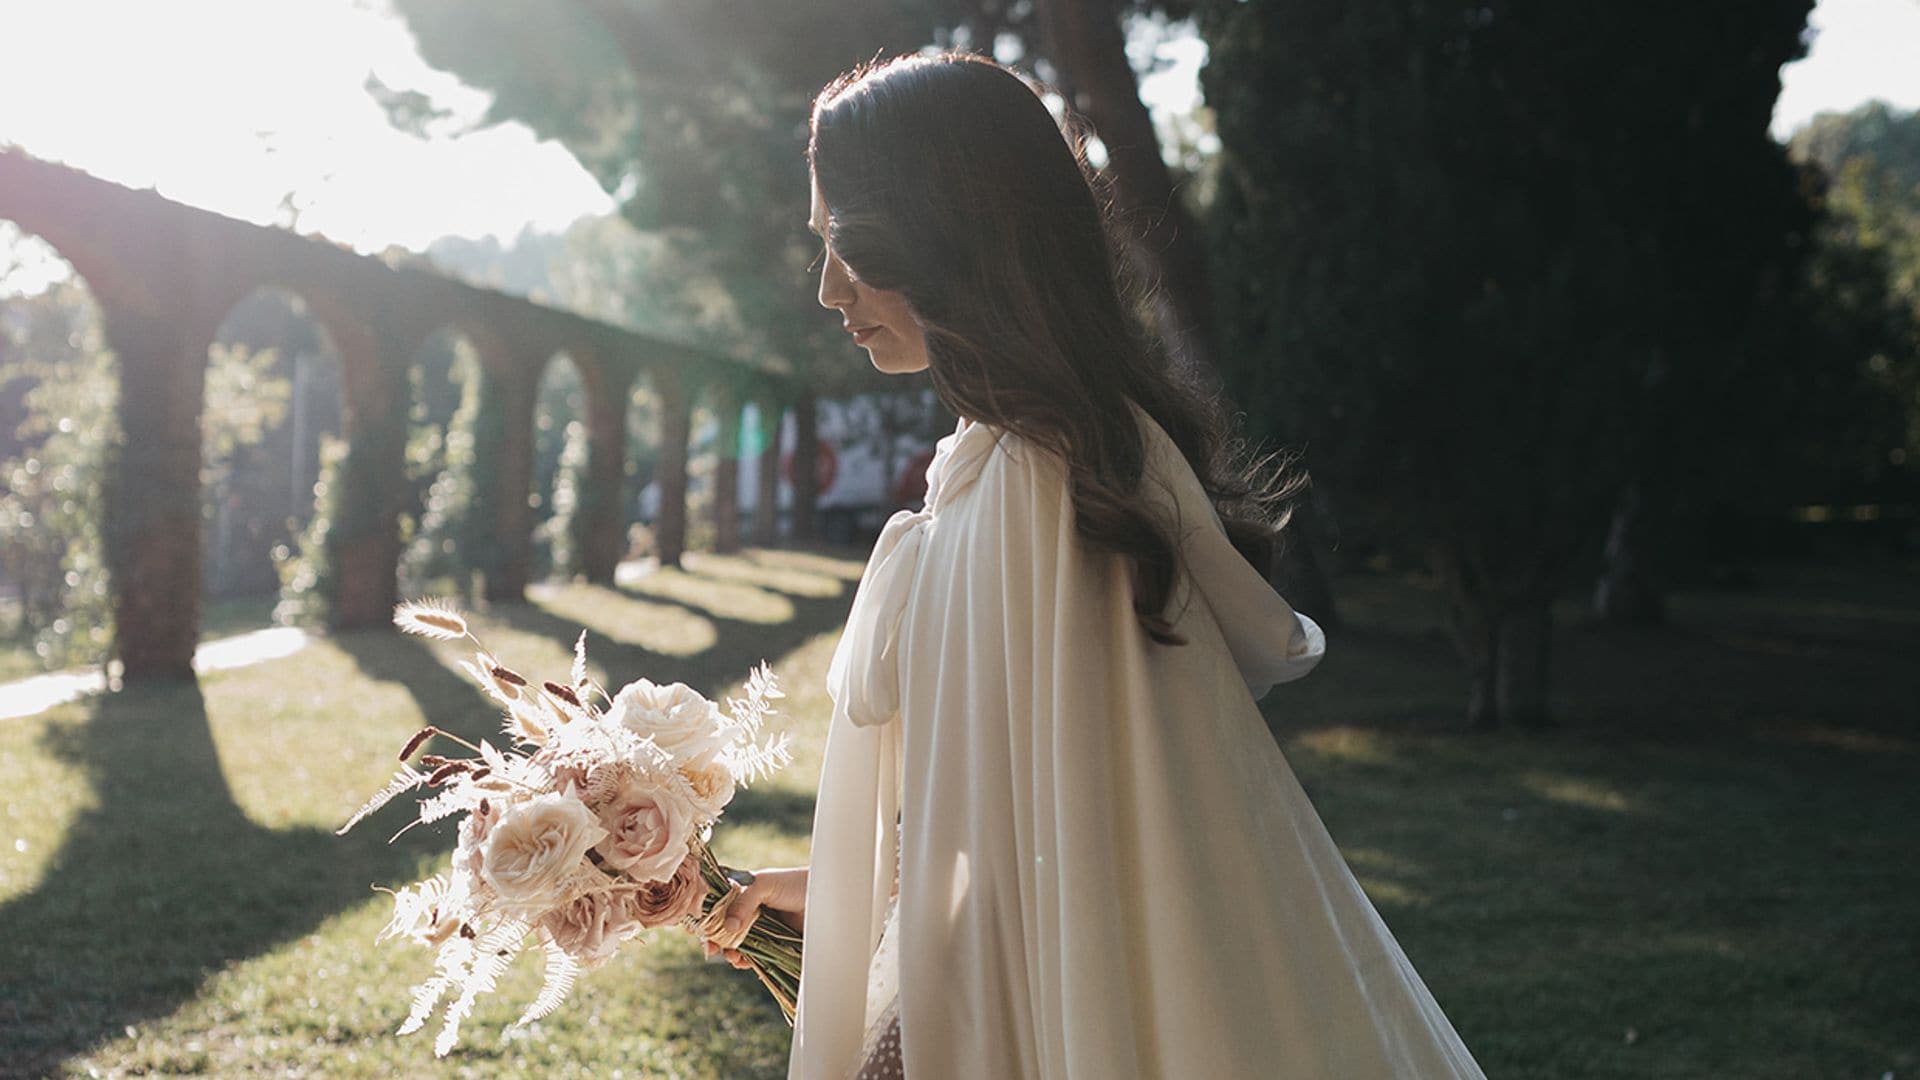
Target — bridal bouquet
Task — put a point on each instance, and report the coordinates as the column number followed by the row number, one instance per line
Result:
column 589, row 827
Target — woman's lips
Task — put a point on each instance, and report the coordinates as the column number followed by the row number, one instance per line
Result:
column 862, row 333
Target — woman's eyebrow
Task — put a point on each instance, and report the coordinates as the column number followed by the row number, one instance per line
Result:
column 812, row 229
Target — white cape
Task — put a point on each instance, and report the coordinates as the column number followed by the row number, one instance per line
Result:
column 1108, row 869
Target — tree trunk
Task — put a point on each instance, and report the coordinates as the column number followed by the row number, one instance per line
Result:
column 1627, row 593
column 806, row 494
column 1505, row 635
column 1525, row 642
column 1086, row 43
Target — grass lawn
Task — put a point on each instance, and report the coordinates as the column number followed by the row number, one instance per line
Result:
column 1712, row 869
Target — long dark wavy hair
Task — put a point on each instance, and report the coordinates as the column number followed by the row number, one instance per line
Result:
column 948, row 179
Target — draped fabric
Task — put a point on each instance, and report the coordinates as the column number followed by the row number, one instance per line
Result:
column 1107, row 868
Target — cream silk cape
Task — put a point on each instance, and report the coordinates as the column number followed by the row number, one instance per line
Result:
column 1109, row 871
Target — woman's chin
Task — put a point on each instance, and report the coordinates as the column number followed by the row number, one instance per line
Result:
column 889, row 366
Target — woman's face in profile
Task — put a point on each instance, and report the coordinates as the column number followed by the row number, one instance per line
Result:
column 880, row 321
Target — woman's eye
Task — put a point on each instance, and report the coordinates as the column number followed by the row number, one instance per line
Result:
column 816, row 259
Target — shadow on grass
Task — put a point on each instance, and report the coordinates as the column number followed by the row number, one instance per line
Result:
column 159, row 884
column 739, row 644
column 164, row 881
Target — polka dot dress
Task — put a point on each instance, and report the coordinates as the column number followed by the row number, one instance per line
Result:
column 883, row 1054
column 880, row 1052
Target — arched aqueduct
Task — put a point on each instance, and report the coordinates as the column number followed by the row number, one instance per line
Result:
column 165, row 277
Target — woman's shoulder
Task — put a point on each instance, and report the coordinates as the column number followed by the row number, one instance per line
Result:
column 1167, row 478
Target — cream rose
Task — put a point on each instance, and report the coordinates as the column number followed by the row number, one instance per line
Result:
column 712, row 784
column 646, row 831
column 675, row 716
column 592, row 926
column 661, row 903
column 535, row 847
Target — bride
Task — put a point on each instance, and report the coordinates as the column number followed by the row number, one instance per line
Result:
column 1054, row 838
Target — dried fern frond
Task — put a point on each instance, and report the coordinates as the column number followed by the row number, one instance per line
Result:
column 562, row 969
column 449, row 967
column 432, row 617
column 448, row 803
column 407, row 779
column 749, row 712
column 411, row 904
column 751, row 761
column 492, row 954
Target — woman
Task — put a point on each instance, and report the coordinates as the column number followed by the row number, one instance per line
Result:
column 1044, row 699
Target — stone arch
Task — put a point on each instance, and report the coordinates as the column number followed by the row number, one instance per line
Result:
column 456, row 421
column 562, row 448
column 726, row 396
column 272, row 352
column 606, row 502
column 762, row 423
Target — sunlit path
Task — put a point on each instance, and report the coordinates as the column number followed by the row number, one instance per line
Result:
column 30, row 697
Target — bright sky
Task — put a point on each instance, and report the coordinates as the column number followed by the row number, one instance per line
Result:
column 233, row 104
column 239, row 105
column 1862, row 49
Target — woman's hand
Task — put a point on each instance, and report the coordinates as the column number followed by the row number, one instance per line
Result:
column 781, row 889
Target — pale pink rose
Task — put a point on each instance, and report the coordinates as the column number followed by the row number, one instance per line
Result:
column 663, row 903
column 675, row 716
column 537, row 846
column 647, row 831
column 592, row 926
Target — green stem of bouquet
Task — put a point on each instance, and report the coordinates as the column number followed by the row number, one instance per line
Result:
column 772, row 948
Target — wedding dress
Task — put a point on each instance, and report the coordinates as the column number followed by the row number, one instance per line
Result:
column 1107, row 868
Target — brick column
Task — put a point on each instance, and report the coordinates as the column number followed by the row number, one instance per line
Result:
column 726, row 473
column 676, row 430
column 513, row 387
column 151, row 507
column 363, row 532
column 600, row 520
column 766, row 504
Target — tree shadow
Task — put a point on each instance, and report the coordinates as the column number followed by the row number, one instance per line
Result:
column 160, row 883
column 739, row 644
column 163, row 881
column 447, row 699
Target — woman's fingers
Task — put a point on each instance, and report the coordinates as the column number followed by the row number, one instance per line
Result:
column 732, row 956
column 745, row 907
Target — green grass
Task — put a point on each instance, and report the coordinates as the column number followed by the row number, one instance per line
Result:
column 1709, row 870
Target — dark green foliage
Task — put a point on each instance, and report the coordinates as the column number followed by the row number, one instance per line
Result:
column 1455, row 245
column 307, row 568
column 55, row 365
column 559, row 469
column 448, row 538
column 694, row 115
column 1867, row 290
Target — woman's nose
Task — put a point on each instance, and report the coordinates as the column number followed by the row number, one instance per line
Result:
column 836, row 286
